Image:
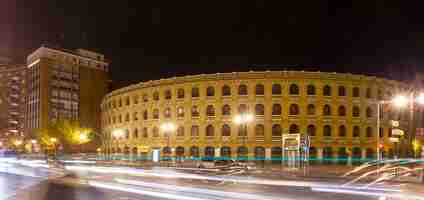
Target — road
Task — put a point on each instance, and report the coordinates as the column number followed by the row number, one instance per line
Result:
column 127, row 183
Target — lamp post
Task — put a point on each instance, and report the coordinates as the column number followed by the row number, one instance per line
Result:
column 167, row 128
column 33, row 143
column 243, row 119
column 53, row 140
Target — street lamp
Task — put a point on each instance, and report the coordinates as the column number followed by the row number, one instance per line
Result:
column 167, row 128
column 118, row 133
column 243, row 119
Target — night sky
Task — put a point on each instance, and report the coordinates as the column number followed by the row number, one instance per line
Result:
column 156, row 39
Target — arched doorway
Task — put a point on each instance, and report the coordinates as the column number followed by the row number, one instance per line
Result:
column 313, row 155
column 342, row 156
column 356, row 155
column 276, row 154
column 242, row 153
column 327, row 154
column 209, row 153
column 194, row 152
column 226, row 153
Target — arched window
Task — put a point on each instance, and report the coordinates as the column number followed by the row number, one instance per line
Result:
column 259, row 109
column 226, row 152
column 342, row 131
column 195, row 92
column 135, row 133
column 259, row 130
column 242, row 108
column 145, row 98
column 127, row 101
column 155, row 131
column 294, row 128
column 342, row 111
column 145, row 132
column 167, row 113
column 156, row 96
column 135, row 99
column 342, row 91
column 210, row 130
column 276, row 109
column 276, row 89
column 294, row 109
column 368, row 93
column 311, row 130
column 120, row 103
column 194, row 131
column 180, row 131
column 326, row 91
column 356, row 131
column 294, row 89
column 226, row 130
column 369, row 132
column 379, row 94
column 168, row 94
column 327, row 130
column 209, row 153
column 226, row 90
column 369, row 112
column 180, row 112
column 210, row 91
column 155, row 113
column 127, row 117
column 194, row 151
column 310, row 90
column 355, row 92
column 260, row 90
column 276, row 130
column 194, row 111
column 226, row 110
column 135, row 117
column 145, row 115
column 180, row 93
column 210, row 111
column 326, row 110
column 179, row 151
column 355, row 111
column 242, row 89
column 120, row 118
column 259, row 153
column 242, row 152
column 311, row 109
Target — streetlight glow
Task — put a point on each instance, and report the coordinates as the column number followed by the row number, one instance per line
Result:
column 243, row 118
column 167, row 127
column 420, row 99
column 34, row 141
column 53, row 140
column 18, row 142
column 118, row 133
column 82, row 137
column 400, row 101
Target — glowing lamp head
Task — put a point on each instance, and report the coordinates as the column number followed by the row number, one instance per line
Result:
column 18, row 142
column 380, row 146
column 118, row 133
column 420, row 99
column 243, row 118
column 167, row 127
column 33, row 141
column 83, row 136
column 53, row 140
column 400, row 101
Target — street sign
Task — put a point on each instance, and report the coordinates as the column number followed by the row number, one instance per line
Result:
column 397, row 132
column 394, row 139
column 394, row 123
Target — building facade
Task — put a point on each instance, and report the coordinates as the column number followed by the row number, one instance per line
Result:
column 337, row 111
column 13, row 79
column 64, row 84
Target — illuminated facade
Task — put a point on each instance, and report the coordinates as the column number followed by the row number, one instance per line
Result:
column 337, row 111
column 65, row 84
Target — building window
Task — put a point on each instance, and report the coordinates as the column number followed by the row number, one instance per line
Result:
column 119, row 119
column 127, row 117
column 259, row 130
column 180, row 131
column 180, row 93
column 135, row 117
column 226, row 110
column 210, row 91
column 210, row 131
column 342, row 91
column 135, row 99
column 381, row 132
column 276, row 89
column 310, row 90
column 327, row 130
column 226, row 130
column 379, row 94
column 342, row 111
column 120, row 103
column 210, row 111
column 180, row 112
column 226, row 90
column 311, row 130
column 276, row 109
column 155, row 132
column 145, row 98
column 194, row 131
column 369, row 93
column 369, row 112
column 194, row 111
column 355, row 92
column 342, row 131
column 167, row 113
column 294, row 128
column 242, row 89
column 135, row 133
column 259, row 109
column 145, row 133
column 127, row 134
column 145, row 115
column 294, row 109
column 294, row 89
column 356, row 131
column 311, row 109
column 355, row 111
column 127, row 101
column 242, row 108
column 155, row 113
column 326, row 110
column 168, row 94
column 194, row 92
column 369, row 132
column 260, row 90
column 326, row 90
column 276, row 130
column 156, row 96
column 242, row 131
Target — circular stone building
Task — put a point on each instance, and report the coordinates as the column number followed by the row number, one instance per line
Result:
column 337, row 111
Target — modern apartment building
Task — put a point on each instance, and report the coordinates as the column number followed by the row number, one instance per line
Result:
column 65, row 84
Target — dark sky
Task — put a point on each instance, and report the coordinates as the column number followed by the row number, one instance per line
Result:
column 153, row 39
